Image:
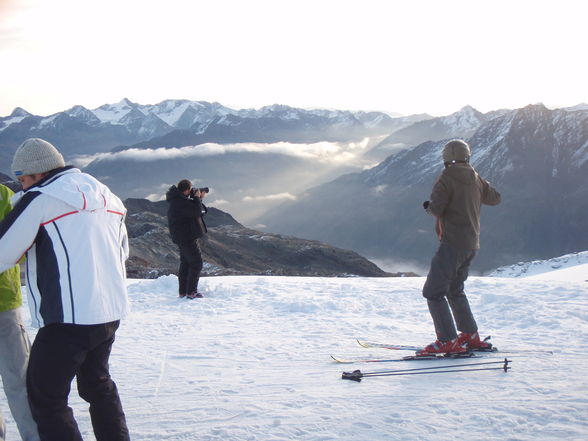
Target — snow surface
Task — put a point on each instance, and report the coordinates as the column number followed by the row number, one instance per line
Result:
column 251, row 362
column 576, row 265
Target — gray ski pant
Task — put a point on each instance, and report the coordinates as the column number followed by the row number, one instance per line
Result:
column 444, row 291
column 14, row 357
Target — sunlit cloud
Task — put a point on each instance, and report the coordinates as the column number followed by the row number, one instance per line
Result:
column 327, row 151
column 218, row 202
column 271, row 197
column 155, row 197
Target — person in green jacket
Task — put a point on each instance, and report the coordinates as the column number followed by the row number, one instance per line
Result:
column 14, row 344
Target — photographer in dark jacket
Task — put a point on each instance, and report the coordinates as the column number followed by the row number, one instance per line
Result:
column 186, row 226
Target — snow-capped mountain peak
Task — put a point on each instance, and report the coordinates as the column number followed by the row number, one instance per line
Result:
column 464, row 120
column 80, row 112
column 113, row 113
column 17, row 115
column 19, row 112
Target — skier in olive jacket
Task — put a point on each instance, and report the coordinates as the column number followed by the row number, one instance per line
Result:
column 455, row 201
column 186, row 225
column 14, row 344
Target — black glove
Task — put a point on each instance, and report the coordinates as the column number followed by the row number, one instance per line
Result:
column 426, row 204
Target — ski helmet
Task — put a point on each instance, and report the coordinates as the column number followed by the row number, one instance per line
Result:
column 456, row 150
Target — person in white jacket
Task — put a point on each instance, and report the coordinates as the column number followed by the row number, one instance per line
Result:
column 71, row 229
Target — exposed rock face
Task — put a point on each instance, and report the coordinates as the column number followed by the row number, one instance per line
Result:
column 230, row 249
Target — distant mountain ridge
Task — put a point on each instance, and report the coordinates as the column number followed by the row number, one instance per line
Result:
column 462, row 124
column 177, row 123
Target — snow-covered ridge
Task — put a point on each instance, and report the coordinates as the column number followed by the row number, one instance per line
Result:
column 186, row 114
column 526, row 269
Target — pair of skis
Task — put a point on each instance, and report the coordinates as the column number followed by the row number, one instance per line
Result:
column 368, row 344
column 469, row 354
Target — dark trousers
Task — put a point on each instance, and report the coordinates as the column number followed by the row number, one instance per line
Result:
column 444, row 291
column 59, row 353
column 190, row 267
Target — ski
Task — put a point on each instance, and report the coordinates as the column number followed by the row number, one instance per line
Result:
column 370, row 344
column 407, row 358
column 493, row 349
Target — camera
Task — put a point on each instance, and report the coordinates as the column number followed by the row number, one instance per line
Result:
column 196, row 190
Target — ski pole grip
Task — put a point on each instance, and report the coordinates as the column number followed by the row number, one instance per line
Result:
column 354, row 376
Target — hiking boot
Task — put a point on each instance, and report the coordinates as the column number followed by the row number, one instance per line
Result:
column 194, row 295
column 181, row 296
column 443, row 347
column 472, row 342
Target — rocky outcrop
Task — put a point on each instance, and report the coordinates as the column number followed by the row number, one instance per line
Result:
column 229, row 248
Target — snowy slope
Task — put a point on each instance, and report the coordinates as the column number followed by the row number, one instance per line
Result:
column 251, row 362
column 576, row 265
column 577, row 273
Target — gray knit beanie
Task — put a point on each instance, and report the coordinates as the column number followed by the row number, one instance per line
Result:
column 36, row 155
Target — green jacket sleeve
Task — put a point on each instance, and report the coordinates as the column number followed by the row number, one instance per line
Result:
column 10, row 293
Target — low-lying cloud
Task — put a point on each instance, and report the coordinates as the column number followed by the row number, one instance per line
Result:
column 218, row 203
column 270, row 197
column 327, row 151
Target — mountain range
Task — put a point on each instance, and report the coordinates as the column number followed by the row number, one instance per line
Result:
column 177, row 123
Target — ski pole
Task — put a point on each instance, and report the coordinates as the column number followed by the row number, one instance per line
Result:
column 357, row 375
column 440, row 367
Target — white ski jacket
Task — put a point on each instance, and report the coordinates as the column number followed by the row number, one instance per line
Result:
column 71, row 229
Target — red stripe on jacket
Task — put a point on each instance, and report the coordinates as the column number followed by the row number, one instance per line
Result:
column 59, row 217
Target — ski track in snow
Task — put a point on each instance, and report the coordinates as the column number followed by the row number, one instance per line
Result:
column 251, row 362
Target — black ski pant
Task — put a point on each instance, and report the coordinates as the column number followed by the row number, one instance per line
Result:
column 190, row 267
column 59, row 353
column 444, row 291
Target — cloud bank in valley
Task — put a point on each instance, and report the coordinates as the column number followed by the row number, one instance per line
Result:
column 270, row 197
column 320, row 151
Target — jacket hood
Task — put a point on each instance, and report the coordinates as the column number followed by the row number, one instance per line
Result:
column 173, row 193
column 463, row 173
column 79, row 190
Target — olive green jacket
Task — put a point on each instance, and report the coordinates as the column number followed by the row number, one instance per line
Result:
column 10, row 294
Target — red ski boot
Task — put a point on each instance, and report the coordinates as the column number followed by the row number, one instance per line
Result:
column 443, row 347
column 472, row 342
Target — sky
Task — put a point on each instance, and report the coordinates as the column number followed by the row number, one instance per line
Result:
column 396, row 56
